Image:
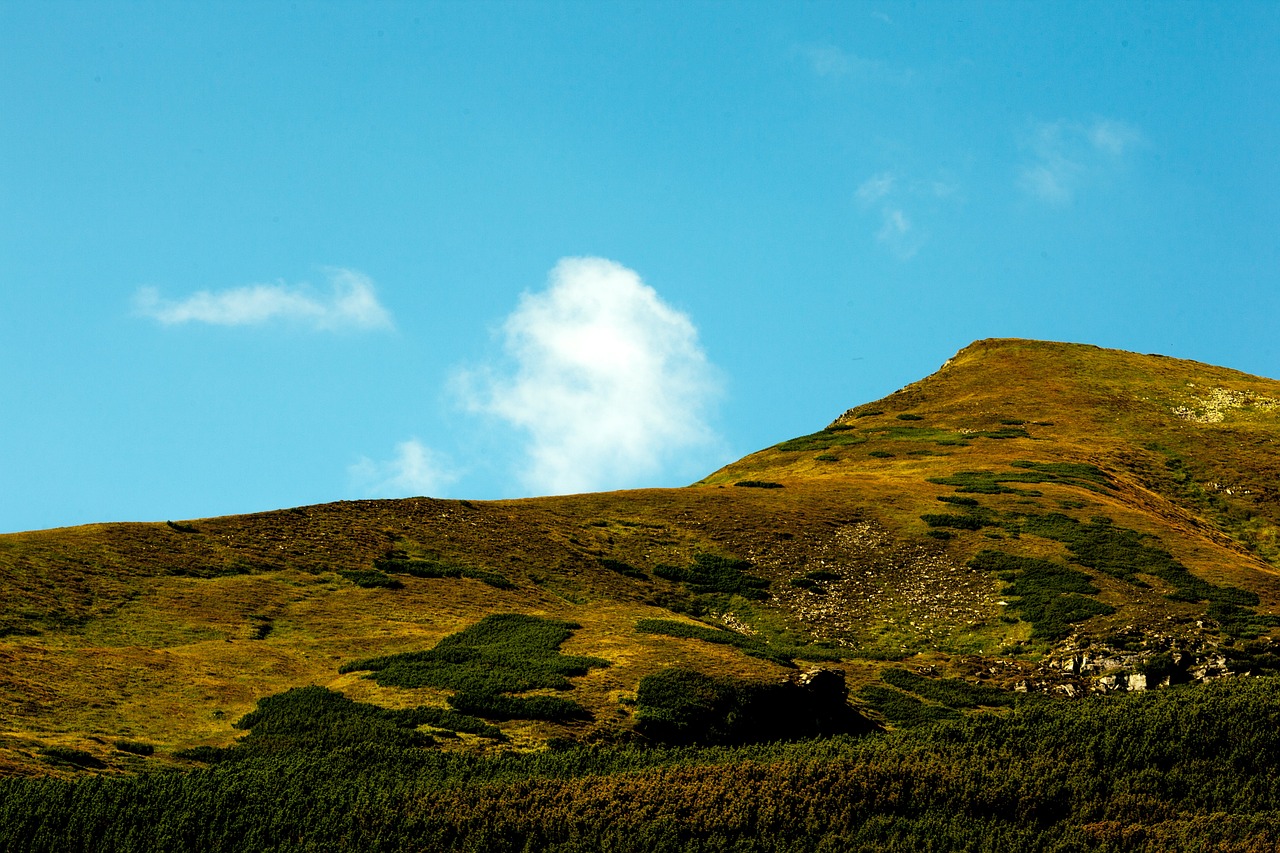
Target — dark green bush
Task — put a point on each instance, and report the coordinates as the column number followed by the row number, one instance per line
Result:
column 711, row 573
column 758, row 484
column 497, row 706
column 204, row 754
column 504, row 653
column 907, row 416
column 958, row 501
column 959, row 522
column 840, row 435
column 993, row 483
column 784, row 655
column 881, row 454
column 683, row 706
column 808, row 583
column 623, row 568
column 397, row 563
column 902, row 710
column 1123, row 553
column 1049, row 595
column 370, row 579
column 75, row 757
column 753, row 646
column 953, row 692
column 134, row 747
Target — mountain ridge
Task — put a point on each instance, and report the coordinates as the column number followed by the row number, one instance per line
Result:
column 1034, row 516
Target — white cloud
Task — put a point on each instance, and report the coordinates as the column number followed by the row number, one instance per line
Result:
column 890, row 198
column 898, row 234
column 875, row 188
column 415, row 470
column 1066, row 156
column 1113, row 137
column 351, row 303
column 827, row 60
column 608, row 381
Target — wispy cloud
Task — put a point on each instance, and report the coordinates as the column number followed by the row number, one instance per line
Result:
column 415, row 470
column 898, row 234
column 350, row 303
column 827, row 60
column 887, row 197
column 607, row 380
column 875, row 188
column 1065, row 156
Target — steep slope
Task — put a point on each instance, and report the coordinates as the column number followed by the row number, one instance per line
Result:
column 1033, row 516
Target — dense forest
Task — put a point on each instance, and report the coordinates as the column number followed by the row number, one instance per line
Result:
column 1186, row 768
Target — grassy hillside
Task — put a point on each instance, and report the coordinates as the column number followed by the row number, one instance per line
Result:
column 1050, row 519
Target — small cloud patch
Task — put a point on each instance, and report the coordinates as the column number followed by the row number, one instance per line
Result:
column 414, row 470
column 1066, row 156
column 350, row 304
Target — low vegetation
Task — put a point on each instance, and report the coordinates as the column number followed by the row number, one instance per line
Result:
column 784, row 655
column 711, row 573
column 500, row 655
column 1175, row 770
column 683, row 706
column 397, row 562
column 1049, row 595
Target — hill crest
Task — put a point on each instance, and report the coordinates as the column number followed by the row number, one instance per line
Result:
column 1039, row 516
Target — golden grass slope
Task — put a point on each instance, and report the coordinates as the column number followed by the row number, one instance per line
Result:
column 169, row 633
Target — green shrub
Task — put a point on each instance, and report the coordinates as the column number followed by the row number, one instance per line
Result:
column 496, row 706
column 959, row 522
column 826, row 457
column 134, row 747
column 623, row 568
column 371, row 579
column 907, row 416
column 1124, row 553
column 453, row 721
column 758, row 484
column 993, row 483
column 75, row 757
column 317, row 718
column 783, row 655
column 902, row 710
column 711, row 573
column 683, row 706
column 204, row 754
column 397, row 563
column 503, row 653
column 881, row 454
column 809, row 584
column 1049, row 595
column 840, row 435
column 952, row 692
column 958, row 501
column 753, row 646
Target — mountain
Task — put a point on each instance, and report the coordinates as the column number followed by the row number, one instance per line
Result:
column 1034, row 518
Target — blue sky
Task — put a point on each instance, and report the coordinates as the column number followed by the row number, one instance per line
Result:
column 258, row 255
